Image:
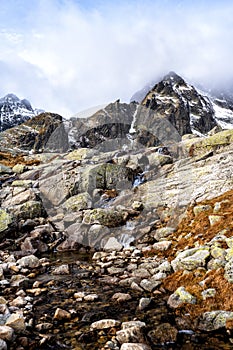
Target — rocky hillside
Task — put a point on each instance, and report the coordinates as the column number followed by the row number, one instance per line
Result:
column 116, row 230
column 14, row 111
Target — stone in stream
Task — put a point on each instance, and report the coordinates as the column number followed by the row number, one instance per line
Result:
column 135, row 346
column 132, row 334
column 3, row 345
column 6, row 333
column 61, row 314
column 30, row 261
column 16, row 321
column 105, row 323
column 144, row 303
column 121, row 297
column 162, row 334
column 61, row 270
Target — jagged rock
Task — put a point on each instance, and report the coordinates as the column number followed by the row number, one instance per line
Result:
column 163, row 245
column 163, row 232
column 78, row 202
column 214, row 219
column 19, row 198
column 132, row 334
column 3, row 344
column 121, row 297
column 5, row 220
column 144, row 303
column 191, row 259
column 28, row 210
column 19, row 168
column 214, row 320
column 179, row 297
column 61, row 314
column 61, row 270
column 208, row 293
column 16, row 321
column 6, row 333
column 30, row 261
column 112, row 244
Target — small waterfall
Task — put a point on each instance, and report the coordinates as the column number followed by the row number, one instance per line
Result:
column 125, row 239
column 132, row 129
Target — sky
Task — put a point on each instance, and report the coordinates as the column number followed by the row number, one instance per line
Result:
column 66, row 56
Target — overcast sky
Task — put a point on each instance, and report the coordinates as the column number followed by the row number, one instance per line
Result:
column 65, row 55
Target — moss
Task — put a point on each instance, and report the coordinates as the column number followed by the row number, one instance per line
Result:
column 5, row 220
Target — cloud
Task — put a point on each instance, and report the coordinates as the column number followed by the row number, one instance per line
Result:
column 66, row 56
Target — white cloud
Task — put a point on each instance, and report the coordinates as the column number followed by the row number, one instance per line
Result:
column 68, row 57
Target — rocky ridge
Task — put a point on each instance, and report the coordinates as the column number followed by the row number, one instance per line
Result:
column 116, row 248
column 14, row 111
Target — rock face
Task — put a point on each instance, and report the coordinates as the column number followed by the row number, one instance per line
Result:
column 14, row 111
column 125, row 242
column 184, row 107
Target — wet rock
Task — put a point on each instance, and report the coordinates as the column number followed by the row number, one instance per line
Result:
column 129, row 324
column 16, row 321
column 105, row 323
column 91, row 297
column 3, row 344
column 179, row 297
column 43, row 327
column 164, row 333
column 121, row 297
column 133, row 334
column 135, row 346
column 214, row 320
column 113, row 245
column 19, row 281
column 144, row 303
column 61, row 314
column 190, row 259
column 61, row 270
column 30, row 261
column 6, row 333
column 98, row 236
column 19, row 302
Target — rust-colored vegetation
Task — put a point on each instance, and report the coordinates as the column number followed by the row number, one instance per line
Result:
column 11, row 160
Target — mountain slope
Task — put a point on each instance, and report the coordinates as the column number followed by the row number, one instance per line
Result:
column 14, row 111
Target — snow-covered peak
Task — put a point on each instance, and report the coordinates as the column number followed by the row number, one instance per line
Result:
column 14, row 111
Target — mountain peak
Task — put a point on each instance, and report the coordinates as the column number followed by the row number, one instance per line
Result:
column 172, row 78
column 14, row 111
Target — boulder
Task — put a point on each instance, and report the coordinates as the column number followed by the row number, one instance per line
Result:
column 191, row 259
column 179, row 297
column 5, row 220
column 78, row 202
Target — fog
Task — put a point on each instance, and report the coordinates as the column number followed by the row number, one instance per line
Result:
column 66, row 56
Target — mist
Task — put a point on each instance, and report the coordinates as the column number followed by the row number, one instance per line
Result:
column 67, row 56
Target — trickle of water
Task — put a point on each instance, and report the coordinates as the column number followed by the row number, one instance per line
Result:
column 125, row 239
column 132, row 129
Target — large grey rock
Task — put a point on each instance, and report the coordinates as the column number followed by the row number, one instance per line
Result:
column 5, row 220
column 191, row 259
column 105, row 323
